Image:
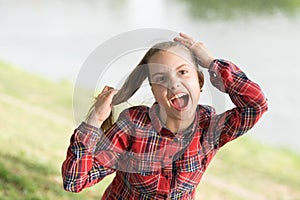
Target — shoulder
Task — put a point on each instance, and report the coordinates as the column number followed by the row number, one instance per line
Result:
column 135, row 113
column 205, row 114
column 206, row 110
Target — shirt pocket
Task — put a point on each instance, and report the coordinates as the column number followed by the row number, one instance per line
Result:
column 189, row 172
column 144, row 176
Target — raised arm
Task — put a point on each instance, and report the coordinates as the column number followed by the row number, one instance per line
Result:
column 247, row 96
column 92, row 154
column 80, row 169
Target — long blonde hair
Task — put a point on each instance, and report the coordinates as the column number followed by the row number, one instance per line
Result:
column 140, row 73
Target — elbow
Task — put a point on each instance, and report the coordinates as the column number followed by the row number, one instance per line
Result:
column 72, row 189
column 72, row 185
column 259, row 112
column 260, row 106
column 267, row 105
column 264, row 106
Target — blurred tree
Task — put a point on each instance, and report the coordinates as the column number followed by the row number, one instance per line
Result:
column 235, row 8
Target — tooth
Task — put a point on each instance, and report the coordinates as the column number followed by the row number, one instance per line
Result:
column 178, row 96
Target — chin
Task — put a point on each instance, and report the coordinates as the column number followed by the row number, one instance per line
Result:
column 184, row 114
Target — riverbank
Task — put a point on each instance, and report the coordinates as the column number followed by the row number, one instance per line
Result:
column 37, row 122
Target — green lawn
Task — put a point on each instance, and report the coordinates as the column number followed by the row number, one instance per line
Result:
column 36, row 123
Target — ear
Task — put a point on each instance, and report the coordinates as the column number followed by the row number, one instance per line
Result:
column 200, row 79
column 148, row 77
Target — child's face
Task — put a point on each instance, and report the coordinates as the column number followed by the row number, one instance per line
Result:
column 175, row 83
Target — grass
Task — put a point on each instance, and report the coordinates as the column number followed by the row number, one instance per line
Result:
column 33, row 146
column 37, row 122
column 268, row 171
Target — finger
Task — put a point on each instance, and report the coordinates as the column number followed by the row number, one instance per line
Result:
column 185, row 35
column 106, row 99
column 106, row 88
column 185, row 42
column 110, row 94
column 181, row 40
column 177, row 39
column 104, row 92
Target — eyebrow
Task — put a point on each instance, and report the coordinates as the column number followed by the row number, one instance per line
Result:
column 162, row 73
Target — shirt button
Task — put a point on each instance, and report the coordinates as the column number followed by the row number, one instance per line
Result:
column 165, row 196
column 214, row 74
column 167, row 176
column 175, row 139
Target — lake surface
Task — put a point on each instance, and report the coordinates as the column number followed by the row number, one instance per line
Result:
column 55, row 38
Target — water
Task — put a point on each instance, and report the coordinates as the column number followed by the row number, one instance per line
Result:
column 55, row 38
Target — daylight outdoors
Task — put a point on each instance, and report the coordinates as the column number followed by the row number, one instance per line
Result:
column 44, row 44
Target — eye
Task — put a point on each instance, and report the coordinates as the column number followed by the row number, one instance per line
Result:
column 182, row 72
column 160, row 79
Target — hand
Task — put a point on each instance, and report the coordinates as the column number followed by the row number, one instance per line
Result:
column 198, row 48
column 102, row 106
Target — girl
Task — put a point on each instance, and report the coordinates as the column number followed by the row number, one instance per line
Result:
column 161, row 152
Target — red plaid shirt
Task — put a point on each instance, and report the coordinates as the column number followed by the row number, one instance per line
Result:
column 150, row 161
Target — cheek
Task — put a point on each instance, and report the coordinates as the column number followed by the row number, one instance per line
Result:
column 194, row 87
column 159, row 92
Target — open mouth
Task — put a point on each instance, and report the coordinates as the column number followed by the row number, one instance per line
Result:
column 179, row 101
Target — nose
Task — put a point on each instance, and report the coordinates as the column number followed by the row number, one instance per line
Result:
column 173, row 83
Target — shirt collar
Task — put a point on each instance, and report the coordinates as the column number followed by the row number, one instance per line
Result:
column 158, row 125
column 154, row 117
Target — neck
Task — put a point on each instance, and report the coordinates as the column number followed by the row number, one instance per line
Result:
column 175, row 125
